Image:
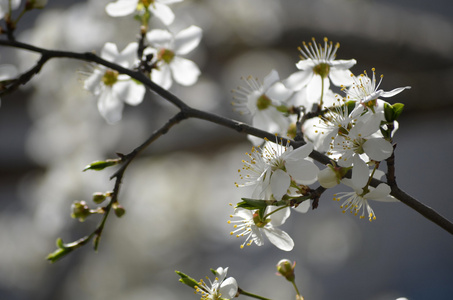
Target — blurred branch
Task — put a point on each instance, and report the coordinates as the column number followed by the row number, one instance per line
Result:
column 188, row 112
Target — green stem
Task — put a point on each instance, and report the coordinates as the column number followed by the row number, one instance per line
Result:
column 295, row 287
column 242, row 292
column 280, row 208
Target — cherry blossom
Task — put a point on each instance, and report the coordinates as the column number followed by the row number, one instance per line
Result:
column 168, row 48
column 254, row 228
column 112, row 88
column 159, row 8
column 220, row 288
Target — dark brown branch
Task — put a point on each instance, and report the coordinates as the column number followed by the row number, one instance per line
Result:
column 188, row 112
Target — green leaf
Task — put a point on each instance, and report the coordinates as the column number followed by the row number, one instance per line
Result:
column 252, row 204
column 187, row 280
column 397, row 110
column 388, row 112
column 102, row 164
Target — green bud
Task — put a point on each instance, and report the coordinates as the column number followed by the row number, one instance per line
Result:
column 187, row 280
column 102, row 164
column 118, row 209
column 286, row 269
column 80, row 210
column 98, row 198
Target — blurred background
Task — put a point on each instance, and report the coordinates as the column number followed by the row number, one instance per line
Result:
column 176, row 196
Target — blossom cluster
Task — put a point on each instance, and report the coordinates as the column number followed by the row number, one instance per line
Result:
column 161, row 56
column 335, row 113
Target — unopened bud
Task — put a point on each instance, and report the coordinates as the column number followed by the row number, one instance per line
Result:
column 119, row 210
column 286, row 269
column 80, row 210
column 98, row 198
column 328, row 177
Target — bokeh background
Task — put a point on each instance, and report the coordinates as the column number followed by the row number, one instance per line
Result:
column 177, row 194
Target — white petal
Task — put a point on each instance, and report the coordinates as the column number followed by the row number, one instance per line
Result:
column 185, row 72
column 303, row 207
column 187, row 40
column 229, row 288
column 298, row 80
column 129, row 91
column 300, row 153
column 270, row 79
column 378, row 149
column 360, row 173
column 159, row 38
column 109, row 52
column 279, row 238
column 341, row 77
column 243, row 213
column 342, row 64
column 128, row 56
column 162, row 76
column 121, row 8
column 93, row 82
column 257, row 235
column 110, row 107
column 306, row 64
column 303, row 171
column 163, row 12
column 280, row 181
column 394, row 92
column 279, row 92
column 278, row 218
column 380, row 193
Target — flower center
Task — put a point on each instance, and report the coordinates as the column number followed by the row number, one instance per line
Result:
column 145, row 3
column 263, row 102
column 166, row 55
column 322, row 70
column 110, row 77
column 258, row 221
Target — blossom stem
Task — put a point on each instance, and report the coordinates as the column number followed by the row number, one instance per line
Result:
column 295, row 287
column 242, row 292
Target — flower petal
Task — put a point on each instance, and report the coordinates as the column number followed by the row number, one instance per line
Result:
column 162, row 76
column 110, row 107
column 163, row 12
column 187, row 39
column 360, row 172
column 129, row 91
column 378, row 149
column 279, row 238
column 280, row 181
column 303, row 171
column 109, row 52
column 159, row 38
column 298, row 80
column 278, row 218
column 229, row 288
column 185, row 72
column 121, row 8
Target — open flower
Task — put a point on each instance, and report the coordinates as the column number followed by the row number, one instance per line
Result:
column 365, row 89
column 220, row 288
column 263, row 101
column 112, row 88
column 317, row 66
column 168, row 48
column 359, row 198
column 158, row 8
column 254, row 228
column 274, row 168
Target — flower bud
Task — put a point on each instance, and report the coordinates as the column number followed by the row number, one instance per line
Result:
column 98, row 197
column 328, row 177
column 286, row 269
column 119, row 210
column 80, row 210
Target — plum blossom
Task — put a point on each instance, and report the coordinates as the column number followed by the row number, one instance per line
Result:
column 4, row 6
column 168, row 48
column 254, row 228
column 159, row 8
column 112, row 88
column 274, row 168
column 220, row 288
column 365, row 89
column 359, row 198
column 317, row 66
column 264, row 102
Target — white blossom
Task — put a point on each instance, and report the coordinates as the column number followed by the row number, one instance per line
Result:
column 253, row 228
column 168, row 48
column 159, row 8
column 220, row 288
column 112, row 88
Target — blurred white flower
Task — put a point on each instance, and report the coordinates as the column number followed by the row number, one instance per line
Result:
column 158, row 8
column 4, row 6
column 263, row 101
column 112, row 88
column 168, row 48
